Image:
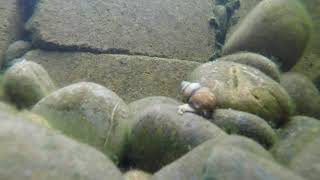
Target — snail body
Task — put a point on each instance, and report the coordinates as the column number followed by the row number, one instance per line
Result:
column 199, row 99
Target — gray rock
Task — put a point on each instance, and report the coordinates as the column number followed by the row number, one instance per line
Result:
column 174, row 29
column 136, row 107
column 234, row 163
column 258, row 61
column 272, row 30
column 294, row 137
column 161, row 136
column 131, row 77
column 26, row 83
column 244, row 88
column 246, row 124
column 136, row 175
column 309, row 64
column 239, row 14
column 303, row 92
column 10, row 25
column 191, row 165
column 89, row 113
column 307, row 162
column 16, row 50
column 29, row 151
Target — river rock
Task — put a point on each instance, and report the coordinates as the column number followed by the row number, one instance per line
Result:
column 294, row 137
column 309, row 64
column 161, row 136
column 307, row 162
column 234, row 163
column 303, row 92
column 274, row 31
column 136, row 175
column 245, row 6
column 168, row 28
column 191, row 165
column 246, row 124
column 26, row 83
column 10, row 25
column 89, row 113
column 16, row 50
column 29, row 151
column 131, row 77
column 244, row 88
column 258, row 61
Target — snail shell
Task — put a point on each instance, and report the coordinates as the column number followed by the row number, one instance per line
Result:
column 201, row 99
column 188, row 88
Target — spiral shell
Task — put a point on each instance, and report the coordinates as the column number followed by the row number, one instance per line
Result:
column 187, row 88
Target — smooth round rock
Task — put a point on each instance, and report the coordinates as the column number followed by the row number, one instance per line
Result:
column 190, row 166
column 16, row 50
column 294, row 137
column 307, row 162
column 234, row 163
column 26, row 83
column 141, row 104
column 244, row 88
column 136, row 175
column 29, row 151
column 258, row 61
column 246, row 124
column 89, row 113
column 274, row 31
column 162, row 136
column 303, row 92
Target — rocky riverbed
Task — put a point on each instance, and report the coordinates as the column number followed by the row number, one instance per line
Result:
column 90, row 89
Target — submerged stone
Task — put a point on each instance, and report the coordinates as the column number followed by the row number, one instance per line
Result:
column 131, row 77
column 294, row 137
column 246, row 124
column 26, row 83
column 303, row 92
column 161, row 136
column 258, row 61
column 191, row 165
column 274, row 31
column 168, row 28
column 89, row 113
column 29, row 151
column 10, row 25
column 244, row 88
column 235, row 163
column 16, row 50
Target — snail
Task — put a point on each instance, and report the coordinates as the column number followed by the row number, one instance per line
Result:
column 198, row 99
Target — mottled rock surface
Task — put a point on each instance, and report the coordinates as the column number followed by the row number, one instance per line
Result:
column 167, row 28
column 234, row 163
column 274, row 31
column 258, row 61
column 244, row 88
column 131, row 77
column 161, row 136
column 16, row 50
column 89, row 113
column 191, row 165
column 29, row 151
column 10, row 25
column 309, row 64
column 26, row 83
column 294, row 137
column 303, row 92
column 246, row 124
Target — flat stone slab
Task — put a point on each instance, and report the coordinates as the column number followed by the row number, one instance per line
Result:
column 167, row 28
column 131, row 77
column 10, row 25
